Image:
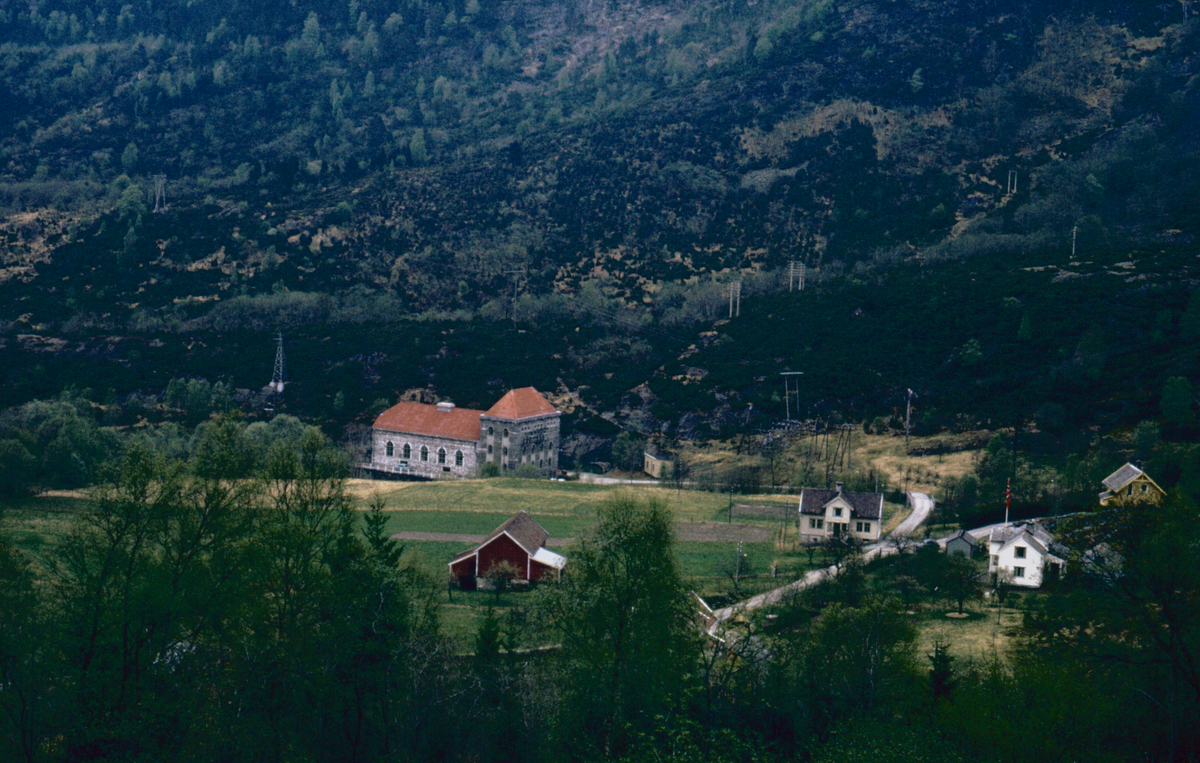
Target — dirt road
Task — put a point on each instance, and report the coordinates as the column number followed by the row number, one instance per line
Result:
column 689, row 532
column 922, row 504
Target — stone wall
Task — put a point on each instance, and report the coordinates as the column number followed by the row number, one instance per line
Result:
column 431, row 467
column 512, row 443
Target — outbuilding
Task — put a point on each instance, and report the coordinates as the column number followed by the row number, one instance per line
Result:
column 521, row 542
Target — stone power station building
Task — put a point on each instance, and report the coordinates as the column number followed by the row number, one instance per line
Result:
column 444, row 441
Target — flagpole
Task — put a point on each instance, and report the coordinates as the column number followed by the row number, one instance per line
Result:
column 1007, row 499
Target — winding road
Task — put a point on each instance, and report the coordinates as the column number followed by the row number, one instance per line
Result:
column 922, row 505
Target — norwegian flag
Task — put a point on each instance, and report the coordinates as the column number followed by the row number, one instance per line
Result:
column 1007, row 498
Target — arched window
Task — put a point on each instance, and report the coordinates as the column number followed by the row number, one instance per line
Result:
column 407, row 451
column 506, row 431
column 441, row 455
column 424, row 453
column 458, row 458
column 506, row 451
column 490, row 433
column 389, row 448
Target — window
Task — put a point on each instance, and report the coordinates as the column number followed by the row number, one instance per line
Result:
column 441, row 455
column 816, row 524
column 1018, row 572
column 862, row 527
column 506, row 451
column 995, row 560
column 837, row 512
column 490, row 432
column 424, row 453
column 390, row 449
column 407, row 451
column 1019, row 552
column 489, row 449
column 506, row 431
column 458, row 458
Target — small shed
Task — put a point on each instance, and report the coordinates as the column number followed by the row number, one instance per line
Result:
column 659, row 464
column 962, row 543
column 521, row 542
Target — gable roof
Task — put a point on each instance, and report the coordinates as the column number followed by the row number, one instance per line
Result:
column 1122, row 477
column 1033, row 535
column 419, row 418
column 521, row 404
column 813, row 500
column 964, row 536
column 522, row 528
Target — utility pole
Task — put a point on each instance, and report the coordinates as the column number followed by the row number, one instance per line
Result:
column 1074, row 230
column 512, row 274
column 908, row 417
column 160, row 193
column 735, row 299
column 803, row 273
column 1012, row 181
column 737, row 565
column 787, row 400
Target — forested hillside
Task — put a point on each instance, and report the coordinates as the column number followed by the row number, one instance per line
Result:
column 649, row 211
column 461, row 197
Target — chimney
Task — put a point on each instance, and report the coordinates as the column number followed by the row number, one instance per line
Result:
column 445, row 407
column 839, row 487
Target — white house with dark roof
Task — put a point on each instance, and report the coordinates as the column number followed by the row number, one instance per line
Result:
column 1129, row 485
column 444, row 441
column 1025, row 554
column 840, row 513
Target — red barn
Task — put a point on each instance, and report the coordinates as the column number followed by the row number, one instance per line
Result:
column 521, row 542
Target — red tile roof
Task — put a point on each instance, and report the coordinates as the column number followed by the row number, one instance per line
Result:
column 419, row 418
column 520, row 404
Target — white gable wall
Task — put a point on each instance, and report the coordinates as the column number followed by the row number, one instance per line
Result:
column 1008, row 558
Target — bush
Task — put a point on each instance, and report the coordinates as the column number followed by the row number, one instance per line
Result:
column 527, row 472
column 489, row 469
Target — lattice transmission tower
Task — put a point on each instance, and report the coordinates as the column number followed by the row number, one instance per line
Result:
column 278, row 377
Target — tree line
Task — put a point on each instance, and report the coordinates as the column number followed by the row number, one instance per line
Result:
column 234, row 605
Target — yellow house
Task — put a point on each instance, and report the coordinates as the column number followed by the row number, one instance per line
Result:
column 840, row 513
column 1129, row 485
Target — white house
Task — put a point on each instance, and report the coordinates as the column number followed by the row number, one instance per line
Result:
column 1025, row 554
column 840, row 513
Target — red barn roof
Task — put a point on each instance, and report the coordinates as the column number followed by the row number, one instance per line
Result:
column 521, row 404
column 419, row 418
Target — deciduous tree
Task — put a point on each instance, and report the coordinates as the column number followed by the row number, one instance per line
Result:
column 629, row 649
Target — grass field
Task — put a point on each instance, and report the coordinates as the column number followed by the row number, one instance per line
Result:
column 977, row 637
column 544, row 498
column 565, row 510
